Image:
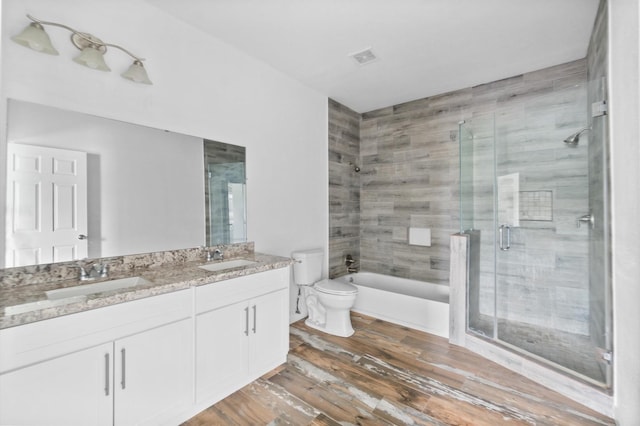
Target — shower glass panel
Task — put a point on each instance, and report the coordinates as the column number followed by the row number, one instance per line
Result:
column 477, row 165
column 227, row 218
column 525, row 204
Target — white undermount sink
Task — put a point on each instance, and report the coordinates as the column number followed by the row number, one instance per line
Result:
column 76, row 294
column 227, row 264
column 41, row 304
column 81, row 290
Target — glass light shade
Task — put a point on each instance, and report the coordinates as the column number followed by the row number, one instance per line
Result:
column 92, row 58
column 34, row 37
column 137, row 73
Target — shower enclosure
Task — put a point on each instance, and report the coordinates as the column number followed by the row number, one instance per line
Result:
column 534, row 207
column 225, row 187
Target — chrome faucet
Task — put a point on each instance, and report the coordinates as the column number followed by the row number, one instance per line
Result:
column 218, row 255
column 215, row 255
column 97, row 270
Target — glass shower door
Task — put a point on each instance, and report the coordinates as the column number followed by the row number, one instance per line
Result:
column 536, row 283
column 543, row 236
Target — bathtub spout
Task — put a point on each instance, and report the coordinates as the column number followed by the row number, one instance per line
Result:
column 349, row 262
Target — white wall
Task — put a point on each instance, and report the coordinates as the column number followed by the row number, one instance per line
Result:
column 624, row 48
column 201, row 87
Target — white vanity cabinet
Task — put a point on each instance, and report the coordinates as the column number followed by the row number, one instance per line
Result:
column 133, row 363
column 241, row 332
column 124, row 364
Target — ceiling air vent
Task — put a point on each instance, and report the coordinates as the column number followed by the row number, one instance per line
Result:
column 364, row 57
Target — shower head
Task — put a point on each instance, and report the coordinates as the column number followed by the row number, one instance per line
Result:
column 575, row 138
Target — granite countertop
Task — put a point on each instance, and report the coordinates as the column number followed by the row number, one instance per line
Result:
column 32, row 299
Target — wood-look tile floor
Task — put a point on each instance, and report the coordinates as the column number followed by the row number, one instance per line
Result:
column 386, row 374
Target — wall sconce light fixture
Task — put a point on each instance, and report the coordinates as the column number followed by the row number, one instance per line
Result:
column 91, row 47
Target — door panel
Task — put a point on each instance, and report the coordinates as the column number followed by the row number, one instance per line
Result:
column 152, row 374
column 46, row 205
column 222, row 348
column 268, row 331
column 74, row 389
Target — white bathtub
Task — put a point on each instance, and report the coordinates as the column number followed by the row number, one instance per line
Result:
column 415, row 304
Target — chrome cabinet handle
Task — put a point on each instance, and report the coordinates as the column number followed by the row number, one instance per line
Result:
column 123, row 378
column 106, row 374
column 246, row 321
column 82, row 237
column 255, row 312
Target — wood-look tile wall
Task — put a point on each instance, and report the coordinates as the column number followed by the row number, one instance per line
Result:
column 344, row 187
column 410, row 178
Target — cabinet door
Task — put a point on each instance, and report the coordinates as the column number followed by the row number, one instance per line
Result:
column 269, row 331
column 221, row 350
column 153, row 375
column 74, row 389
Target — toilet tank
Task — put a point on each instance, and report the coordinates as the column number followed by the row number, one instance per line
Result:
column 308, row 266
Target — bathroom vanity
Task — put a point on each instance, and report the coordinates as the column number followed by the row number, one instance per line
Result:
column 157, row 353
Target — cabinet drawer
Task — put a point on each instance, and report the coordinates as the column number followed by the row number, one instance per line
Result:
column 39, row 341
column 222, row 293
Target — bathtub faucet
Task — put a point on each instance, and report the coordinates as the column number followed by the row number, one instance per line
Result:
column 349, row 262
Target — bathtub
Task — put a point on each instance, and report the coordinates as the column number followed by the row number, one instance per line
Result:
column 415, row 304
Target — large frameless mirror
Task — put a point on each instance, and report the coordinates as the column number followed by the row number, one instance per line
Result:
column 81, row 186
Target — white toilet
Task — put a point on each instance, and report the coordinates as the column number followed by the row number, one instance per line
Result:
column 328, row 301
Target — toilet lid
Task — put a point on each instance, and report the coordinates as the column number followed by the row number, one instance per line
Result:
column 335, row 287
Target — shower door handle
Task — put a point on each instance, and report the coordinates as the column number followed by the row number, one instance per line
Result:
column 501, row 237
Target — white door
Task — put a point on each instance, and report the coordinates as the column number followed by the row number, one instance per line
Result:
column 73, row 390
column 46, row 205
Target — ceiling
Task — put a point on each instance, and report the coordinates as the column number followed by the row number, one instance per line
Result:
column 423, row 47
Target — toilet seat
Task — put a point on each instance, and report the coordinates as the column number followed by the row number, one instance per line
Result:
column 335, row 287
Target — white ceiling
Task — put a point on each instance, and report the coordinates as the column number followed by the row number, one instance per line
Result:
column 424, row 47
